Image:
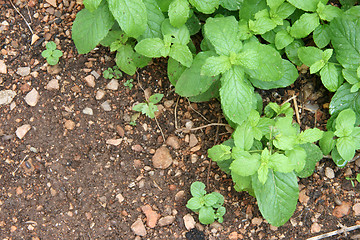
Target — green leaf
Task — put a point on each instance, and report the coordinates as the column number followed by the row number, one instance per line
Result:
column 248, row 58
column 57, row 53
column 155, row 98
column 317, row 66
column 327, row 142
column 350, row 76
column 131, row 16
column 346, row 147
column 219, row 153
column 280, row 163
column 345, row 122
column 141, row 107
column 213, row 66
column 282, row 12
column 46, row 53
column 52, row 60
column 250, row 7
column 210, row 199
column 310, row 135
column 112, row 36
column 193, row 24
column 205, row 6
column 179, row 12
column 154, row 20
column 338, row 160
column 283, row 39
column 220, row 199
column 197, row 189
column 265, row 124
column 91, row 5
column 89, row 28
column 231, row 5
column 241, row 183
column 321, row 35
column 244, row 31
column 164, row 4
column 221, row 211
column 124, row 59
column 223, row 34
column 306, row 5
column 328, row 12
column 51, row 46
column 310, row 55
column 244, row 136
column 297, row 157
column 244, row 163
column 182, row 54
column 191, row 83
column 181, row 35
column 331, row 76
column 277, row 198
column 274, row 3
column 345, row 33
column 292, row 51
column 174, row 70
column 313, row 155
column 150, row 47
column 206, row 215
column 307, row 23
column 195, row 203
column 263, row 173
column 235, row 94
column 212, row 92
column 261, row 25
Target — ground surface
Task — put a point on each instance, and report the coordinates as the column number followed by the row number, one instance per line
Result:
column 77, row 175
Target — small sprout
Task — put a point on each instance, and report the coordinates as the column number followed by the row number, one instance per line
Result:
column 149, row 108
column 129, row 84
column 111, row 73
column 51, row 54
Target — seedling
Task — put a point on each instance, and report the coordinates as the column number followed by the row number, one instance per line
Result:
column 51, row 54
column 149, row 108
column 208, row 206
column 129, row 84
column 352, row 179
column 111, row 73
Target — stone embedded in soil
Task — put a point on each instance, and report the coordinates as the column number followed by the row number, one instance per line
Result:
column 173, row 142
column 168, row 103
column 137, row 148
column 342, row 210
column 162, row 158
column 88, row 111
column 6, row 96
column 95, row 74
column 303, row 198
column 99, row 94
column 23, row 71
column 90, row 80
column 138, row 228
column 356, row 209
column 69, row 125
column 179, row 196
column 120, row 131
column 106, row 106
column 193, row 140
column 53, row 69
column 256, row 221
column 233, row 236
column 114, row 142
column 164, row 221
column 315, row 228
column 189, row 221
column 32, row 98
column 21, row 131
column 120, row 197
column 113, row 85
column 3, row 68
column 151, row 216
column 52, row 85
column 329, row 173
column 52, row 2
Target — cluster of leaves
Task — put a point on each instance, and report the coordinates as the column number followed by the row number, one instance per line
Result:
column 208, row 206
column 128, row 83
column 149, row 107
column 51, row 54
column 265, row 156
column 111, row 73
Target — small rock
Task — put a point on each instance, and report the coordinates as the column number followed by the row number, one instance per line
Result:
column 164, row 221
column 69, row 125
column 23, row 71
column 233, row 236
column 6, row 96
column 193, row 140
column 52, row 85
column 173, row 142
column 315, row 228
column 113, row 85
column 99, row 94
column 303, row 198
column 120, row 197
column 138, row 228
column 179, row 196
column 168, row 103
column 21, row 131
column 217, row 226
column 120, row 131
column 3, row 67
column 356, row 209
column 137, row 148
column 53, row 69
column 342, row 210
column 162, row 158
column 256, row 221
column 52, row 2
column 88, row 111
column 189, row 222
column 348, row 172
column 32, row 98
column 95, row 74
column 329, row 173
column 114, row 142
column 19, row 190
column 90, row 80
column 106, row 106
column 151, row 216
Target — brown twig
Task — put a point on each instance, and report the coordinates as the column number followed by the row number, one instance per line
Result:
column 22, row 17
column 333, row 233
column 175, row 112
column 296, row 110
column 215, row 141
column 13, row 173
column 201, row 127
column 197, row 111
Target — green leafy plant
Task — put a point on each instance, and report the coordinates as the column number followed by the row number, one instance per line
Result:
column 354, row 179
column 129, row 83
column 51, row 54
column 208, row 206
column 149, row 107
column 111, row 73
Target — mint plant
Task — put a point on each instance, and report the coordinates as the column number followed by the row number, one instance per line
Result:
column 129, row 83
column 208, row 206
column 111, row 73
column 149, row 107
column 51, row 54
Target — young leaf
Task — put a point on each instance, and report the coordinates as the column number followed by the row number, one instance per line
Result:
column 52, row 60
column 306, row 5
column 241, row 183
column 331, row 76
column 314, row 68
column 248, row 58
column 327, row 142
column 310, row 55
column 346, row 147
column 231, row 5
column 46, row 53
column 345, row 122
column 321, row 35
column 292, row 51
column 222, row 210
column 249, row 8
column 124, row 59
column 205, row 6
column 280, row 163
column 244, row 136
column 310, row 135
column 131, row 16
column 182, row 54
column 174, row 70
column 195, row 203
column 210, row 199
column 213, row 66
column 283, row 39
column 92, row 5
column 327, row 12
column 297, row 158
column 141, row 107
column 206, row 215
column 244, row 163
column 313, row 155
column 51, row 46
column 181, row 35
column 261, row 25
column 263, row 173
column 304, row 25
column 156, row 98
column 154, row 20
column 274, row 3
column 89, row 28
column 178, row 12
column 197, row 189
column 277, row 198
column 57, row 54
column 150, row 47
column 219, row 153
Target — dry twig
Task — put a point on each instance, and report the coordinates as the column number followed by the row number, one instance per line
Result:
column 13, row 173
column 201, row 127
column 22, row 17
column 333, row 233
column 296, row 110
column 198, row 112
column 215, row 141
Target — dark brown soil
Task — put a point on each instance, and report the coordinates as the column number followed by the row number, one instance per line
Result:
column 59, row 183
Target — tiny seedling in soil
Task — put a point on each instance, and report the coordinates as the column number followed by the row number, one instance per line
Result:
column 129, row 84
column 51, row 54
column 352, row 179
column 208, row 206
column 111, row 73
column 149, row 107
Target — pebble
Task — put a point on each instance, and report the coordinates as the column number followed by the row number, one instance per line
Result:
column 3, row 67
column 162, row 158
column 90, row 80
column 99, row 94
column 168, row 103
column 356, row 209
column 6, row 96
column 303, row 198
column 52, row 85
column 189, row 222
column 95, row 74
column 217, row 226
column 21, row 131
column 88, row 111
column 329, row 173
column 69, row 125
column 151, row 216
column 342, row 210
column 23, row 71
column 53, row 69
column 256, row 221
column 114, row 142
column 193, row 140
column 164, row 221
column 233, row 236
column 120, row 131
column 32, row 98
column 179, row 196
column 137, row 148
column 173, row 142
column 315, row 228
column 113, row 85
column 106, row 106
column 52, row 2
column 138, row 228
